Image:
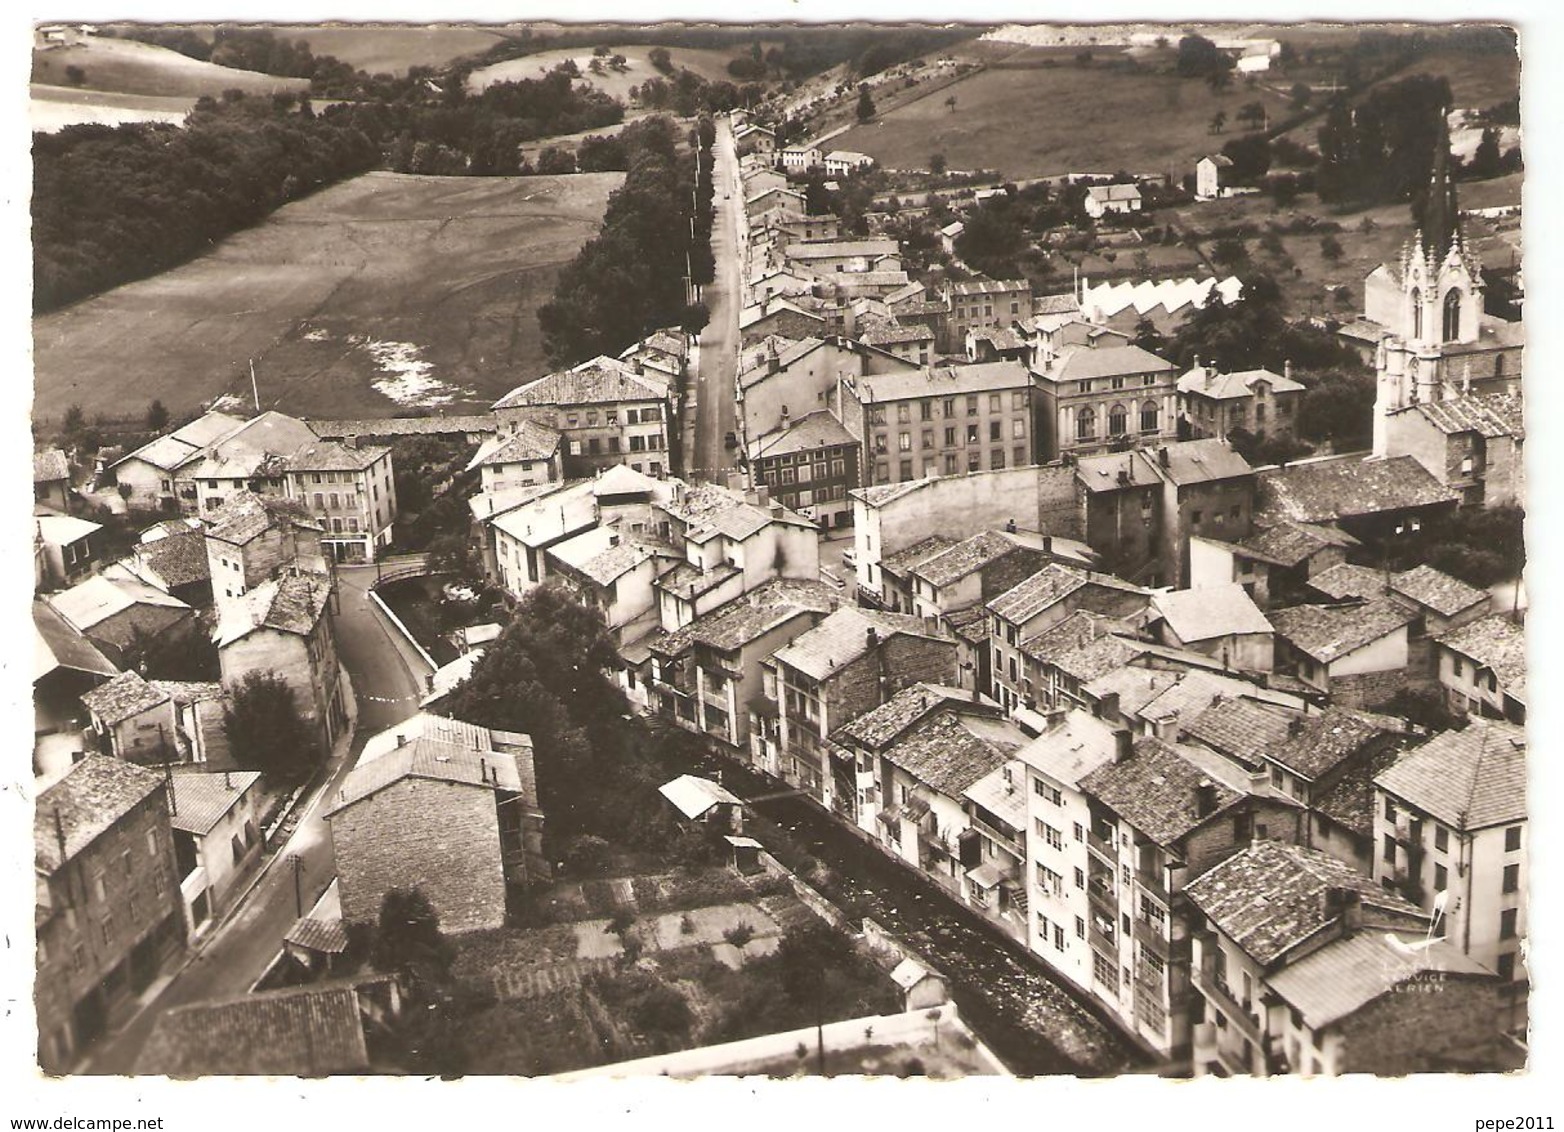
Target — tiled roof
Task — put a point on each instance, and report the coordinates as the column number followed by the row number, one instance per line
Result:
column 881, row 494
column 882, row 725
column 261, row 444
column 185, row 692
column 1325, row 492
column 1207, row 382
column 835, row 249
column 1469, row 779
column 1288, row 543
column 1116, row 471
column 1488, row 414
column 1436, row 590
column 121, row 698
column 1071, row 647
column 689, row 581
column 1494, row 642
column 298, row 1032
column 907, row 559
column 1346, row 580
column 407, row 426
column 1349, row 802
column 1215, row 611
column 1002, row 792
column 1200, row 461
column 601, row 380
column 1085, row 362
column 434, row 759
column 94, row 601
column 1114, row 192
column 1329, row 632
column 57, row 645
column 755, row 362
column 202, row 799
column 326, row 936
column 950, row 752
column 86, row 802
column 1051, row 584
column 1072, row 748
column 333, row 456
column 843, row 637
column 709, row 509
column 970, row 624
column 62, row 530
column 805, row 434
column 294, row 603
column 1272, row 897
column 967, row 556
column 1239, row 728
column 1316, row 745
column 603, row 554
column 888, row 332
column 50, row 465
column 1184, row 694
column 1343, row 977
column 178, row 559
column 247, row 515
column 1156, row 790
column 1068, row 303
column 693, row 796
column 1000, row 337
column 944, row 381
column 184, row 443
column 737, row 622
column 981, row 287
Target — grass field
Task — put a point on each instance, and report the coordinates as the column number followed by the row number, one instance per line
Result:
column 52, row 108
column 1068, row 118
column 707, row 64
column 127, row 67
column 385, row 292
column 393, row 48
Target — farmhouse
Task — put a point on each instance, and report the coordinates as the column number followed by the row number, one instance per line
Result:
column 52, row 479
column 1121, row 200
column 840, row 162
column 529, row 455
column 1211, row 171
column 153, row 473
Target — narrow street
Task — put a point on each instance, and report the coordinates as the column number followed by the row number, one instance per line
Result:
column 714, row 407
column 1024, row 1012
column 227, row 962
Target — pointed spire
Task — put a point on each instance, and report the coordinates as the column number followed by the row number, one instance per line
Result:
column 1440, row 228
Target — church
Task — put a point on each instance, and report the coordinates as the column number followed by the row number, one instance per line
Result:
column 1448, row 375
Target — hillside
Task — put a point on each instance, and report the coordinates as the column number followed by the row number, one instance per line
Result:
column 126, row 67
column 382, row 293
column 710, row 65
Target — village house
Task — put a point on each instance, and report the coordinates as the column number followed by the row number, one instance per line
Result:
column 1482, row 668
column 1255, row 402
column 1450, row 822
column 1058, row 663
column 1373, row 500
column 281, row 626
column 1473, row 444
column 841, row 162
column 980, row 303
column 200, row 722
column 911, row 343
column 67, row 548
column 1273, row 914
column 782, row 317
column 118, row 615
column 217, row 840
column 1118, row 200
column 895, row 573
column 800, row 158
column 975, row 570
column 1043, row 600
column 707, row 678
column 1221, row 622
column 759, row 178
column 252, row 457
column 253, row 539
column 1092, row 399
column 350, row 490
column 849, row 664
column 782, row 381
column 170, row 557
column 66, row 665
column 1355, row 652
column 839, row 257
column 949, row 234
column 753, row 138
column 154, row 474
column 613, row 571
column 809, row 464
column 52, row 479
column 107, row 912
column 519, row 525
column 1211, row 171
column 529, row 456
column 1141, row 509
column 1273, row 564
column 428, row 793
column 607, row 412
column 133, row 720
column 768, row 283
column 941, row 420
column 1160, row 817
column 312, row 1031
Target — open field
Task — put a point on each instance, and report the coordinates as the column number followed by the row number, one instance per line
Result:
column 380, row 294
column 616, row 84
column 52, row 108
column 1038, row 121
column 140, row 68
column 393, row 48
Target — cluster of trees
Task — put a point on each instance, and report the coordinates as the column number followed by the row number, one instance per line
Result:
column 1383, row 149
column 1000, row 232
column 266, row 731
column 1481, row 547
column 250, row 49
column 1199, row 58
column 629, row 278
column 113, row 204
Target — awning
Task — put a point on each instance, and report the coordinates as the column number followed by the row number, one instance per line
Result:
column 986, row 875
column 888, row 815
column 743, row 842
column 915, row 808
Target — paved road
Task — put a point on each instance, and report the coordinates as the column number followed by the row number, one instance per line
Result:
column 228, row 962
column 715, row 409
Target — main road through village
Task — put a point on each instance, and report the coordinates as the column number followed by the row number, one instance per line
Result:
column 714, row 407
column 381, row 667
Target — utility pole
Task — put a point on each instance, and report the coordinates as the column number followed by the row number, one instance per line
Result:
column 255, row 390
column 297, row 862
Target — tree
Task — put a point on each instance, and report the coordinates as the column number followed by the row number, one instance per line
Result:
column 1253, row 114
column 865, row 103
column 659, row 58
column 408, row 940
column 266, row 731
column 1230, row 253
column 1148, row 337
column 1218, row 122
column 807, row 955
column 1219, row 81
column 1300, row 94
column 695, row 318
column 75, row 75
column 1198, row 58
column 937, row 164
column 1330, row 248
column 950, row 104
column 74, row 422
column 1486, row 161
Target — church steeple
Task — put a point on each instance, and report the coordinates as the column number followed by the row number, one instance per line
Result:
column 1440, row 227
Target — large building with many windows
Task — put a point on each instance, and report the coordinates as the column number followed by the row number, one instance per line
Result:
column 1098, row 398
column 607, row 411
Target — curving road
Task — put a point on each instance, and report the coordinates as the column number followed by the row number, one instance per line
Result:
column 382, row 670
column 714, row 408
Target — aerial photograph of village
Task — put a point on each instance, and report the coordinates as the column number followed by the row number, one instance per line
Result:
column 592, row 550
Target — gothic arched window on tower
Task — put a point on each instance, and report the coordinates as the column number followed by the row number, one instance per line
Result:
column 1452, row 312
column 1417, row 314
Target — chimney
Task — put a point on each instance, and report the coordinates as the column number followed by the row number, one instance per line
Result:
column 1108, row 707
column 228, row 780
column 401, row 740
column 871, row 637
column 1205, row 798
column 1123, row 745
column 1162, row 456
column 1287, row 368
column 762, row 495
column 613, row 540
column 1048, row 544
column 350, row 441
column 776, row 509
column 1295, row 726
column 1346, row 905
